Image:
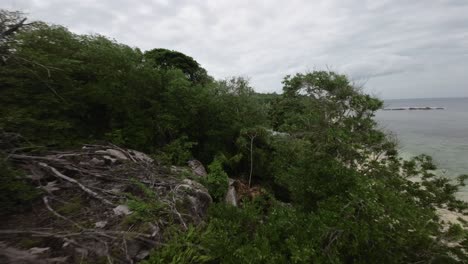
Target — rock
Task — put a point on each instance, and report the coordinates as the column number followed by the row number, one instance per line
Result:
column 109, row 159
column 179, row 170
column 140, row 156
column 197, row 167
column 122, row 210
column 38, row 250
column 95, row 161
column 115, row 190
column 15, row 255
column 196, row 199
column 231, row 195
column 113, row 152
column 101, row 224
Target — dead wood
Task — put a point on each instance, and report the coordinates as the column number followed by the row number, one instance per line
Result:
column 83, row 188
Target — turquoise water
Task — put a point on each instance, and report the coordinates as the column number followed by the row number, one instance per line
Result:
column 443, row 134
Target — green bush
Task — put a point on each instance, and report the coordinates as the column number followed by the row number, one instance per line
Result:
column 144, row 204
column 178, row 152
column 357, row 233
column 217, row 181
column 456, row 232
column 15, row 193
column 182, row 248
column 143, row 211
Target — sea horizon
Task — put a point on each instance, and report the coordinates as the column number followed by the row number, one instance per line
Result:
column 424, row 98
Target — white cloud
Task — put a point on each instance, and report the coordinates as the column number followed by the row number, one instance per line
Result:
column 405, row 48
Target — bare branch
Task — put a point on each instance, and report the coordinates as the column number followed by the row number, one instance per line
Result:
column 46, row 202
column 84, row 188
column 12, row 29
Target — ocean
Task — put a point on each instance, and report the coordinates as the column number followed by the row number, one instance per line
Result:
column 442, row 134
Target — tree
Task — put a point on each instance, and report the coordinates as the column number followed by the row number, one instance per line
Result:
column 10, row 23
column 251, row 134
column 217, row 180
column 344, row 206
column 239, row 86
column 169, row 59
column 333, row 113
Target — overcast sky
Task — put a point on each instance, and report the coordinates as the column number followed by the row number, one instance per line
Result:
column 398, row 48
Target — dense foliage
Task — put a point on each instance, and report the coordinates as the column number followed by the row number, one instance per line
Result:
column 333, row 187
column 217, row 180
column 62, row 88
column 15, row 194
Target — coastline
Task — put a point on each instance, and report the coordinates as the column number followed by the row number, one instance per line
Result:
column 446, row 216
column 462, row 194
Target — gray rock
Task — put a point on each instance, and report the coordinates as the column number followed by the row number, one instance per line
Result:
column 231, row 195
column 15, row 255
column 122, row 210
column 114, row 153
column 95, row 161
column 140, row 156
column 100, row 224
column 197, row 167
column 109, row 159
column 196, row 198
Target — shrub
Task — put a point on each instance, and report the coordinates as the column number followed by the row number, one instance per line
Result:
column 15, row 193
column 183, row 248
column 217, row 180
column 178, row 152
column 456, row 232
column 144, row 204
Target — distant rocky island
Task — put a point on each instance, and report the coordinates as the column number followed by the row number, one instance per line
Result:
column 414, row 108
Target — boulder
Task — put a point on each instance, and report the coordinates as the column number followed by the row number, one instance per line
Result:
column 197, row 167
column 231, row 195
column 196, row 199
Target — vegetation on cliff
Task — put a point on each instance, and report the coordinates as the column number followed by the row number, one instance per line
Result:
column 329, row 185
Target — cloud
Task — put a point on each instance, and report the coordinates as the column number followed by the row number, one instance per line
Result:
column 420, row 47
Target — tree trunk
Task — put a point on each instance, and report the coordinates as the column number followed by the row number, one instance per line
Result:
column 251, row 158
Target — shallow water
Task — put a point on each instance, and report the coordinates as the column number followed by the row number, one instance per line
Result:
column 443, row 134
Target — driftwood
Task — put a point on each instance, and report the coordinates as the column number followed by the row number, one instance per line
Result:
column 84, row 188
column 46, row 203
column 102, row 176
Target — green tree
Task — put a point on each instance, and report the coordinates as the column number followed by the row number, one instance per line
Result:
column 169, row 59
column 254, row 146
column 217, row 180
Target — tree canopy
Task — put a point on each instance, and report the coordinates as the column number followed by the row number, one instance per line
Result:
column 169, row 59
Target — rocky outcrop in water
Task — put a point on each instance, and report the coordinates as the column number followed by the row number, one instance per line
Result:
column 413, row 108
